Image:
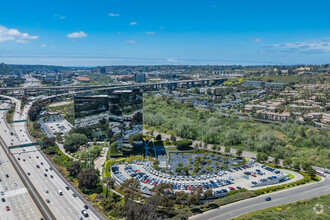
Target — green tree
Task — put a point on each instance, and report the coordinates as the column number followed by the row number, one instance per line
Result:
column 74, row 141
column 173, row 138
column 311, row 172
column 185, row 170
column 180, row 164
column 183, row 144
column 159, row 137
column 239, row 151
column 73, row 168
column 88, row 179
column 227, row 149
column 287, row 162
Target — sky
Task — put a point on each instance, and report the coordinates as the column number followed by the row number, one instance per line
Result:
column 158, row 32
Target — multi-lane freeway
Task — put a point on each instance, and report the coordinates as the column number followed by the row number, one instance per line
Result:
column 42, row 173
column 12, row 190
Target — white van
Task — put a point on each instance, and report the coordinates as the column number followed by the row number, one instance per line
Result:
column 60, row 192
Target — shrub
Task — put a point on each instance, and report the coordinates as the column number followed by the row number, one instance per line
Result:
column 183, row 144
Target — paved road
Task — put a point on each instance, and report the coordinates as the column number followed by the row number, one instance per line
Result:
column 17, row 197
column 284, row 196
column 65, row 206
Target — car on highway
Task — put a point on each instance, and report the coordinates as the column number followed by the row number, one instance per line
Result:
column 18, row 158
column 47, row 200
column 85, row 206
column 37, row 166
column 2, row 193
column 7, row 176
column 67, row 188
column 3, row 200
column 74, row 195
column 268, row 199
column 15, row 184
column 28, row 173
column 46, row 191
column 7, row 208
column 6, row 188
column 51, row 176
column 45, row 174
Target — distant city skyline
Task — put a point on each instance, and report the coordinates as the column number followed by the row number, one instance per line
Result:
column 196, row 32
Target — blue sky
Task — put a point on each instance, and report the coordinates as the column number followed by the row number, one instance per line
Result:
column 148, row 32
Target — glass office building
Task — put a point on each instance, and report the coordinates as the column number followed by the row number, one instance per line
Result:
column 121, row 110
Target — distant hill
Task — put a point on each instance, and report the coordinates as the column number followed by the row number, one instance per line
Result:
column 5, row 69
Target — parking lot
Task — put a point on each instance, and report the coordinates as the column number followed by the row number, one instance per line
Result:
column 250, row 176
column 55, row 124
column 214, row 161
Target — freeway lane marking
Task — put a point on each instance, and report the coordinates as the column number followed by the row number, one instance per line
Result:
column 16, row 192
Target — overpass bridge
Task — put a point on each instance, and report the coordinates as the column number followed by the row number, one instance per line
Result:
column 153, row 85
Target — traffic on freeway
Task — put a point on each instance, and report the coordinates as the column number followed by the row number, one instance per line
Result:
column 55, row 192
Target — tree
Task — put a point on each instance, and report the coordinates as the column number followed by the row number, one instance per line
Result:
column 48, row 141
column 159, row 137
column 74, row 141
column 208, row 193
column 185, row 170
column 213, row 147
column 276, row 160
column 173, row 138
column 296, row 165
column 180, row 164
column 311, row 172
column 59, row 137
column 88, row 179
column 227, row 149
column 239, row 151
column 183, row 144
column 73, row 168
column 131, row 188
column 287, row 162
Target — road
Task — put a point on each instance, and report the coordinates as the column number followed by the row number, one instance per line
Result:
column 17, row 197
column 278, row 198
column 63, row 207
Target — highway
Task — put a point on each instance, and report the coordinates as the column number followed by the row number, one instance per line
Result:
column 16, row 197
column 63, row 207
column 278, row 198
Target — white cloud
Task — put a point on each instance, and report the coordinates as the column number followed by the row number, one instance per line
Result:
column 15, row 35
column 79, row 34
column 42, row 45
column 130, row 41
column 256, row 40
column 172, row 60
column 114, row 14
column 316, row 46
column 59, row 16
column 133, row 23
column 150, row 32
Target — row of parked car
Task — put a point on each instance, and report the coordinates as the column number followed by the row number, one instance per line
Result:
column 119, row 175
column 270, row 169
